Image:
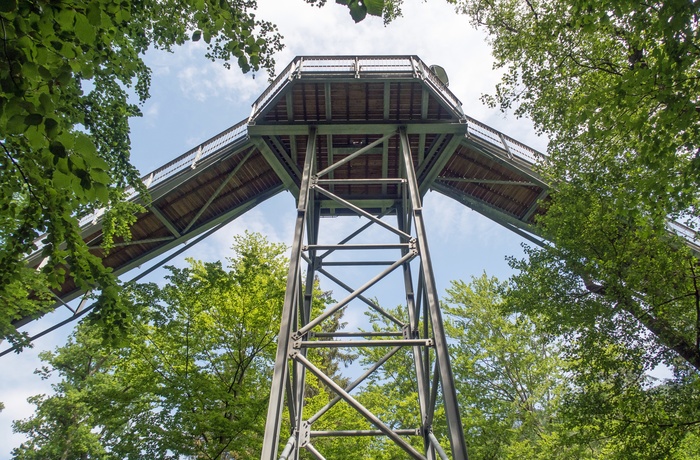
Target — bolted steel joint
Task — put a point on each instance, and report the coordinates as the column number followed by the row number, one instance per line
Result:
column 305, row 433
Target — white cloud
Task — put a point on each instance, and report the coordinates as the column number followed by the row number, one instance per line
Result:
column 152, row 109
column 203, row 80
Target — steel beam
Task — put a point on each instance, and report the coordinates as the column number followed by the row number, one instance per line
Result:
column 280, row 169
column 279, row 379
column 437, row 163
column 356, row 128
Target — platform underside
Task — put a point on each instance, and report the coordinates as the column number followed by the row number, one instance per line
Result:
column 352, row 104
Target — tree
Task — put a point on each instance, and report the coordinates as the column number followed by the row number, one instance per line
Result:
column 63, row 425
column 66, row 74
column 193, row 379
column 204, row 354
column 614, row 85
column 509, row 375
column 612, row 401
column 533, row 386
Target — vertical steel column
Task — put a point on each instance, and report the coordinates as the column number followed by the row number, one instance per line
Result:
column 300, row 325
column 422, row 378
column 291, row 306
column 454, row 420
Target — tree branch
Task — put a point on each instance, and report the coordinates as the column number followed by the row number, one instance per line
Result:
column 24, row 176
column 657, row 326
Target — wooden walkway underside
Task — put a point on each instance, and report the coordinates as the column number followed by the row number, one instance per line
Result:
column 354, row 104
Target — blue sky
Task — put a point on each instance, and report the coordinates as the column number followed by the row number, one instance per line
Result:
column 194, row 99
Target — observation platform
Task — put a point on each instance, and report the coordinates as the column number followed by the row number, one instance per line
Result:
column 350, row 103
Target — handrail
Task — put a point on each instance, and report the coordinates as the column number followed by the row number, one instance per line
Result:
column 498, row 139
column 188, row 159
column 355, row 67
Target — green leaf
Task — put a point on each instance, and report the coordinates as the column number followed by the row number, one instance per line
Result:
column 65, row 18
column 196, row 35
column 46, row 102
column 61, row 164
column 84, row 30
column 243, row 63
column 44, row 72
column 65, row 76
column 60, row 180
column 16, row 124
column 51, row 126
column 33, row 119
column 374, row 7
column 84, row 145
column 101, row 192
column 99, row 175
column 358, row 11
column 57, row 148
column 94, row 14
column 8, row 6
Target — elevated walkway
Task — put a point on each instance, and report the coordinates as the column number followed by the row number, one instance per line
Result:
column 351, row 103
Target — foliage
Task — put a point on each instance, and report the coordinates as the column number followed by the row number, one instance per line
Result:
column 204, row 352
column 391, row 393
column 615, row 86
column 509, row 375
column 68, row 74
column 612, row 402
column 359, row 9
column 62, row 426
column 193, row 380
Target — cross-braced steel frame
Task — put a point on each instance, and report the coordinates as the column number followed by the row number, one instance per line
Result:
column 423, row 333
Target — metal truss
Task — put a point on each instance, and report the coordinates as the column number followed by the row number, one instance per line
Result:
column 423, row 333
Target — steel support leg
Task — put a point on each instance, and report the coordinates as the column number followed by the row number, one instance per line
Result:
column 291, row 299
column 300, row 323
column 449, row 393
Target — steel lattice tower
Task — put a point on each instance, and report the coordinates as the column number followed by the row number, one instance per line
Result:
column 360, row 136
column 423, row 332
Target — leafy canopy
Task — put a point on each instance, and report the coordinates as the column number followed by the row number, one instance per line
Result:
column 193, row 379
column 71, row 76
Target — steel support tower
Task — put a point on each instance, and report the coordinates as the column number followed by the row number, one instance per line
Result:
column 423, row 332
column 364, row 136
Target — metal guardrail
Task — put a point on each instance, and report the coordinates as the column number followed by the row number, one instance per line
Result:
column 355, row 67
column 498, row 139
column 691, row 235
column 424, row 72
column 412, row 66
column 187, row 160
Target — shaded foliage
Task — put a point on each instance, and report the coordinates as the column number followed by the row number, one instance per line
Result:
column 69, row 72
column 193, row 379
